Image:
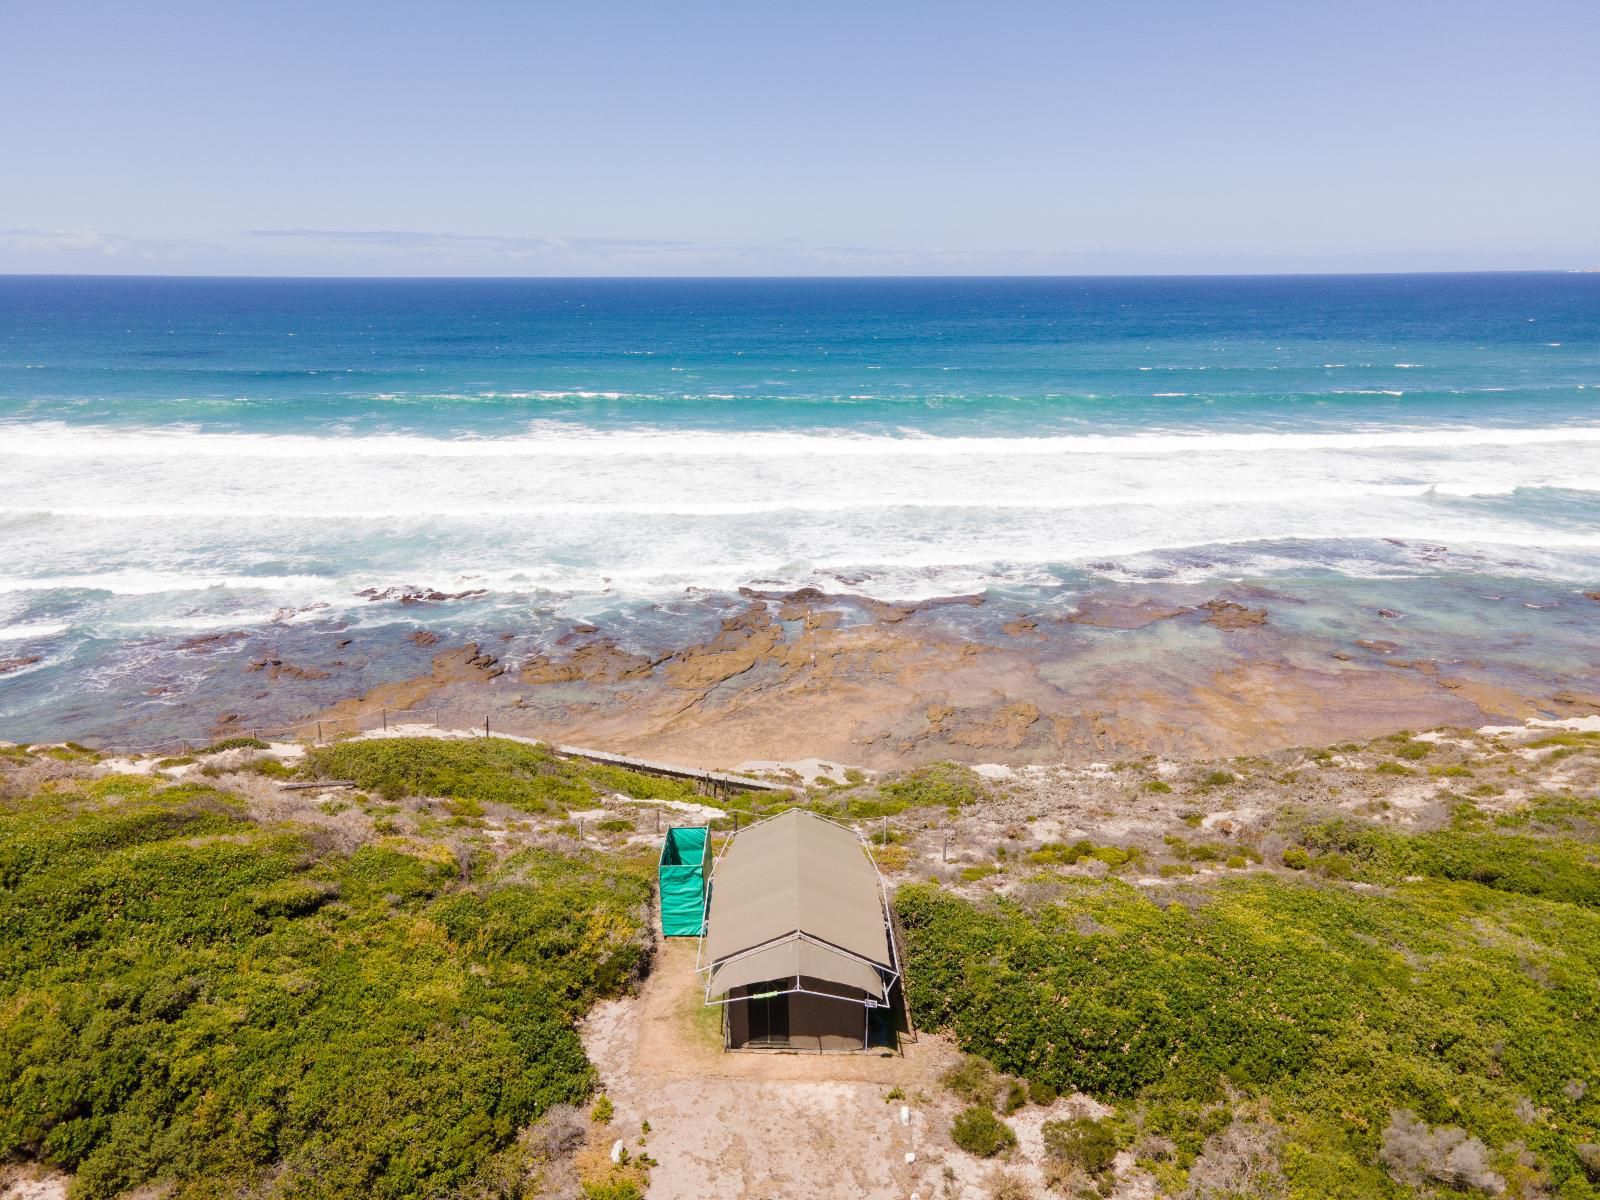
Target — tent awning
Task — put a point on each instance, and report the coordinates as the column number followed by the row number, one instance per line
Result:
column 794, row 960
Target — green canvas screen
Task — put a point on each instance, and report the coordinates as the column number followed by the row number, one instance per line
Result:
column 685, row 861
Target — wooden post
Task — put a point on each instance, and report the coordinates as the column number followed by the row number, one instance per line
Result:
column 658, row 820
column 436, row 716
column 885, row 840
column 485, row 724
column 580, row 829
column 386, row 720
column 319, row 731
column 944, row 855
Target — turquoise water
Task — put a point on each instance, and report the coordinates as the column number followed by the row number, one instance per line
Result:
column 189, row 456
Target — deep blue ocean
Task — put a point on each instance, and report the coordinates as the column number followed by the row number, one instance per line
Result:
column 188, row 455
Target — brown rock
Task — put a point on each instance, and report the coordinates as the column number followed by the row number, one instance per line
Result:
column 8, row 665
column 744, row 641
column 210, row 641
column 1226, row 614
column 1595, row 596
column 1002, row 728
column 601, row 661
column 1018, row 626
column 1378, row 646
column 1389, row 613
column 1120, row 614
column 276, row 669
column 423, row 637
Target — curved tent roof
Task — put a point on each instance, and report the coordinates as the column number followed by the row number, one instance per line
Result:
column 796, row 895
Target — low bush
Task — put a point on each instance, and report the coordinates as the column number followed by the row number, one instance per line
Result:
column 234, row 743
column 193, row 1000
column 477, row 771
column 979, row 1132
column 1060, row 854
column 1466, row 1001
column 1014, row 1098
column 973, row 1079
column 941, row 785
column 1089, row 1145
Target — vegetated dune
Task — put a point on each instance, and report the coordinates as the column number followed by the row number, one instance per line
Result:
column 1366, row 970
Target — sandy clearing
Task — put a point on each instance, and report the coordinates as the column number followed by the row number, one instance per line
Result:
column 762, row 1125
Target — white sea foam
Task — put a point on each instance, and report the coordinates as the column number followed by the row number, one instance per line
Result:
column 51, row 440
column 32, row 630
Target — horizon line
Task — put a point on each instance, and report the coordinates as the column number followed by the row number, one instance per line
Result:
column 820, row 277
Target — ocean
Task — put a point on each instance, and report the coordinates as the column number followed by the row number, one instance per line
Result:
column 187, row 457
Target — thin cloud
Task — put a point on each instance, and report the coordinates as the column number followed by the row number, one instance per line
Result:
column 90, row 242
column 406, row 239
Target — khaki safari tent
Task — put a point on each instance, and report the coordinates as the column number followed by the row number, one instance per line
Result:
column 798, row 949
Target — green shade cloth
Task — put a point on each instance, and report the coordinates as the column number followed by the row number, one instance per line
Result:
column 684, row 865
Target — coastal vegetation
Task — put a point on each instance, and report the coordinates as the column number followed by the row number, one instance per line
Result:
column 1310, row 978
column 482, row 771
column 1414, row 1009
column 194, row 997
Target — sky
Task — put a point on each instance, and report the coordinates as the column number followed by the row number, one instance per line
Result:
column 750, row 138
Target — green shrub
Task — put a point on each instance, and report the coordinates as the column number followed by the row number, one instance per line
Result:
column 190, row 999
column 1328, row 1007
column 979, row 1132
column 1160, row 787
column 477, row 771
column 1081, row 1142
column 1015, row 1097
column 1216, row 779
column 603, row 1110
column 1060, row 854
column 615, row 825
column 1296, row 858
column 973, row 1079
column 612, row 1189
column 1412, row 751
column 1391, row 768
column 941, row 785
column 234, row 743
column 1554, row 867
column 1042, row 1092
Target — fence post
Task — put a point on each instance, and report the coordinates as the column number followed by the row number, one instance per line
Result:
column 885, row 840
column 580, row 829
column 485, row 724
column 944, row 855
column 436, row 716
column 319, row 731
column 386, row 720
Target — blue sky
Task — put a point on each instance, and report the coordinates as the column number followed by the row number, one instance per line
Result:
column 818, row 138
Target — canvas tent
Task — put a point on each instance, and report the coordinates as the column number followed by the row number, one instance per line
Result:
column 798, row 948
column 685, row 863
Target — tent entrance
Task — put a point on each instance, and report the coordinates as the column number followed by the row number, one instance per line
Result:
column 769, row 1015
column 774, row 1016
